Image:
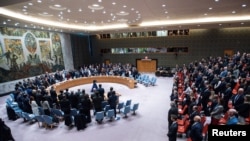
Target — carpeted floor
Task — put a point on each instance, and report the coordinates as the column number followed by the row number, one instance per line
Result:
column 149, row 123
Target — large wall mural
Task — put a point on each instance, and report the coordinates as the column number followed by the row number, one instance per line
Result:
column 25, row 53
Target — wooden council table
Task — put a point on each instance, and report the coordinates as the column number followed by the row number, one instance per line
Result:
column 131, row 83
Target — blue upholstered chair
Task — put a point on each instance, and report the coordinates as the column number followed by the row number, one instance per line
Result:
column 128, row 102
column 125, row 111
column 120, row 106
column 110, row 114
column 48, row 120
column 99, row 116
column 58, row 113
column 29, row 117
column 39, row 120
column 135, row 107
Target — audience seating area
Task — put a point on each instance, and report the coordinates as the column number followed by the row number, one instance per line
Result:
column 193, row 82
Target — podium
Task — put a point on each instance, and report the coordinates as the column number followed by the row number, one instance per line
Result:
column 146, row 65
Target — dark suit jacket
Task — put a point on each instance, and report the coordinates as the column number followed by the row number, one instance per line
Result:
column 196, row 132
column 172, row 111
column 65, row 106
column 101, row 92
column 192, row 115
column 238, row 101
column 227, row 94
column 172, row 132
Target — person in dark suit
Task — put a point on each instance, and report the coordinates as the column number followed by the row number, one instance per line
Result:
column 226, row 96
column 196, row 129
column 97, row 102
column 65, row 105
column 113, row 100
column 94, row 86
column 5, row 132
column 205, row 99
column 101, row 91
column 53, row 95
column 172, row 131
column 192, row 115
column 86, row 106
column 238, row 99
column 110, row 92
column 172, row 111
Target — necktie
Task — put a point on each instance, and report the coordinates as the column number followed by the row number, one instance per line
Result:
column 236, row 98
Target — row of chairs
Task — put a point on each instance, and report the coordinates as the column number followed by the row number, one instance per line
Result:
column 46, row 120
column 146, row 80
column 110, row 114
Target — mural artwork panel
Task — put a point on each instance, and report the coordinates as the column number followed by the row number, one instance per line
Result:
column 27, row 53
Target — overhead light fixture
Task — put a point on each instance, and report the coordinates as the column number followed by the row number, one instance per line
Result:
column 57, row 7
column 122, row 13
column 45, row 14
column 95, row 7
column 122, row 20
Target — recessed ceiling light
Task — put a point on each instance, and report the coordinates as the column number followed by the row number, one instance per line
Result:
column 39, row 1
column 4, row 22
column 95, row 7
column 57, row 7
column 122, row 13
column 25, row 6
column 124, row 6
column 210, row 8
column 30, row 3
column 198, row 25
column 45, row 14
column 242, row 23
column 220, row 24
column 26, row 25
column 205, row 14
column 24, row 9
column 244, row 5
column 68, row 10
column 166, row 12
column 80, row 10
column 99, row 0
column 216, row 0
column 233, row 12
column 113, row 3
column 122, row 20
column 163, row 5
column 132, row 9
column 104, row 12
column 9, row 20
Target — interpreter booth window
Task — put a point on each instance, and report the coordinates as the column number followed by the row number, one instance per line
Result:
column 141, row 50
